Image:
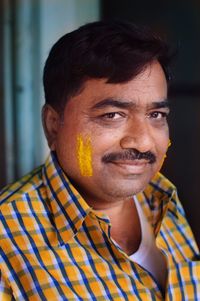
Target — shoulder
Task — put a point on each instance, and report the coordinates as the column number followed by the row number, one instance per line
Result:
column 25, row 214
column 27, row 187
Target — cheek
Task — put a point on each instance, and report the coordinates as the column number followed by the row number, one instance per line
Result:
column 91, row 148
column 163, row 147
column 66, row 148
column 105, row 140
column 161, row 139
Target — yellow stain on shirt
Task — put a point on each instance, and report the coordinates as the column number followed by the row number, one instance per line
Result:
column 84, row 155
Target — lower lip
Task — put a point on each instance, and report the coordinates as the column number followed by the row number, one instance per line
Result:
column 132, row 168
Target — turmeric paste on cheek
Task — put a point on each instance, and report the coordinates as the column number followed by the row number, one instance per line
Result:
column 84, row 155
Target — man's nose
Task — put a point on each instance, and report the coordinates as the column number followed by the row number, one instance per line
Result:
column 138, row 136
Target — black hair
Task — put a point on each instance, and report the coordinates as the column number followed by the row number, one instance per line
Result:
column 115, row 50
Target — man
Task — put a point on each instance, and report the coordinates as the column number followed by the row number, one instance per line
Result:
column 98, row 221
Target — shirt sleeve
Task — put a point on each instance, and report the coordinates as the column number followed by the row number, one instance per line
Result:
column 5, row 290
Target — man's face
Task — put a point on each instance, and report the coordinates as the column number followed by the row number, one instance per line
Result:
column 113, row 137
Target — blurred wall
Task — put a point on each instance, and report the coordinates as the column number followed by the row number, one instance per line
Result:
column 2, row 121
column 28, row 29
column 179, row 21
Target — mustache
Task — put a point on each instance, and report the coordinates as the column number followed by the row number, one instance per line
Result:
column 130, row 155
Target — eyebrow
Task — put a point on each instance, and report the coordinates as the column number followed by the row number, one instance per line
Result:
column 111, row 102
column 160, row 104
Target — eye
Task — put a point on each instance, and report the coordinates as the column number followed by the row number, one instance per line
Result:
column 158, row 115
column 112, row 116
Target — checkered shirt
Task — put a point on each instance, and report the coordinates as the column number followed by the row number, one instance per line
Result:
column 53, row 246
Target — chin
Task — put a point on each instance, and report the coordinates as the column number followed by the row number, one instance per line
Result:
column 125, row 188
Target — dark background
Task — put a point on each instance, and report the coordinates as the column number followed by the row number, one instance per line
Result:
column 179, row 22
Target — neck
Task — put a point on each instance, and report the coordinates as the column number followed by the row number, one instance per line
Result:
column 125, row 229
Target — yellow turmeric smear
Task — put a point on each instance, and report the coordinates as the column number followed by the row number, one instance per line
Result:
column 162, row 162
column 165, row 156
column 84, row 154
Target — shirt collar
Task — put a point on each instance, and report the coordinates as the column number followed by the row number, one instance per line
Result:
column 164, row 193
column 159, row 196
column 67, row 206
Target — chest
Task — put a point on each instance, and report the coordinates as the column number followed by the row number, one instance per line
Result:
column 88, row 267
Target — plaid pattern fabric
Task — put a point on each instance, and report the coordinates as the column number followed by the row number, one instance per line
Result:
column 53, row 246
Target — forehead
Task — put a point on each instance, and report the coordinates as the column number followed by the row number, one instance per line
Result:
column 149, row 86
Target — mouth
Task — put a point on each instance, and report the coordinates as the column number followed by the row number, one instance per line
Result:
column 134, row 167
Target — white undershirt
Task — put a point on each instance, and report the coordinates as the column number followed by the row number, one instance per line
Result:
column 148, row 255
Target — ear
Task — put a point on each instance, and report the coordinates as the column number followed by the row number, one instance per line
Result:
column 50, row 121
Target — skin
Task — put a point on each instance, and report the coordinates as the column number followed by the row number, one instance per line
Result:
column 116, row 118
